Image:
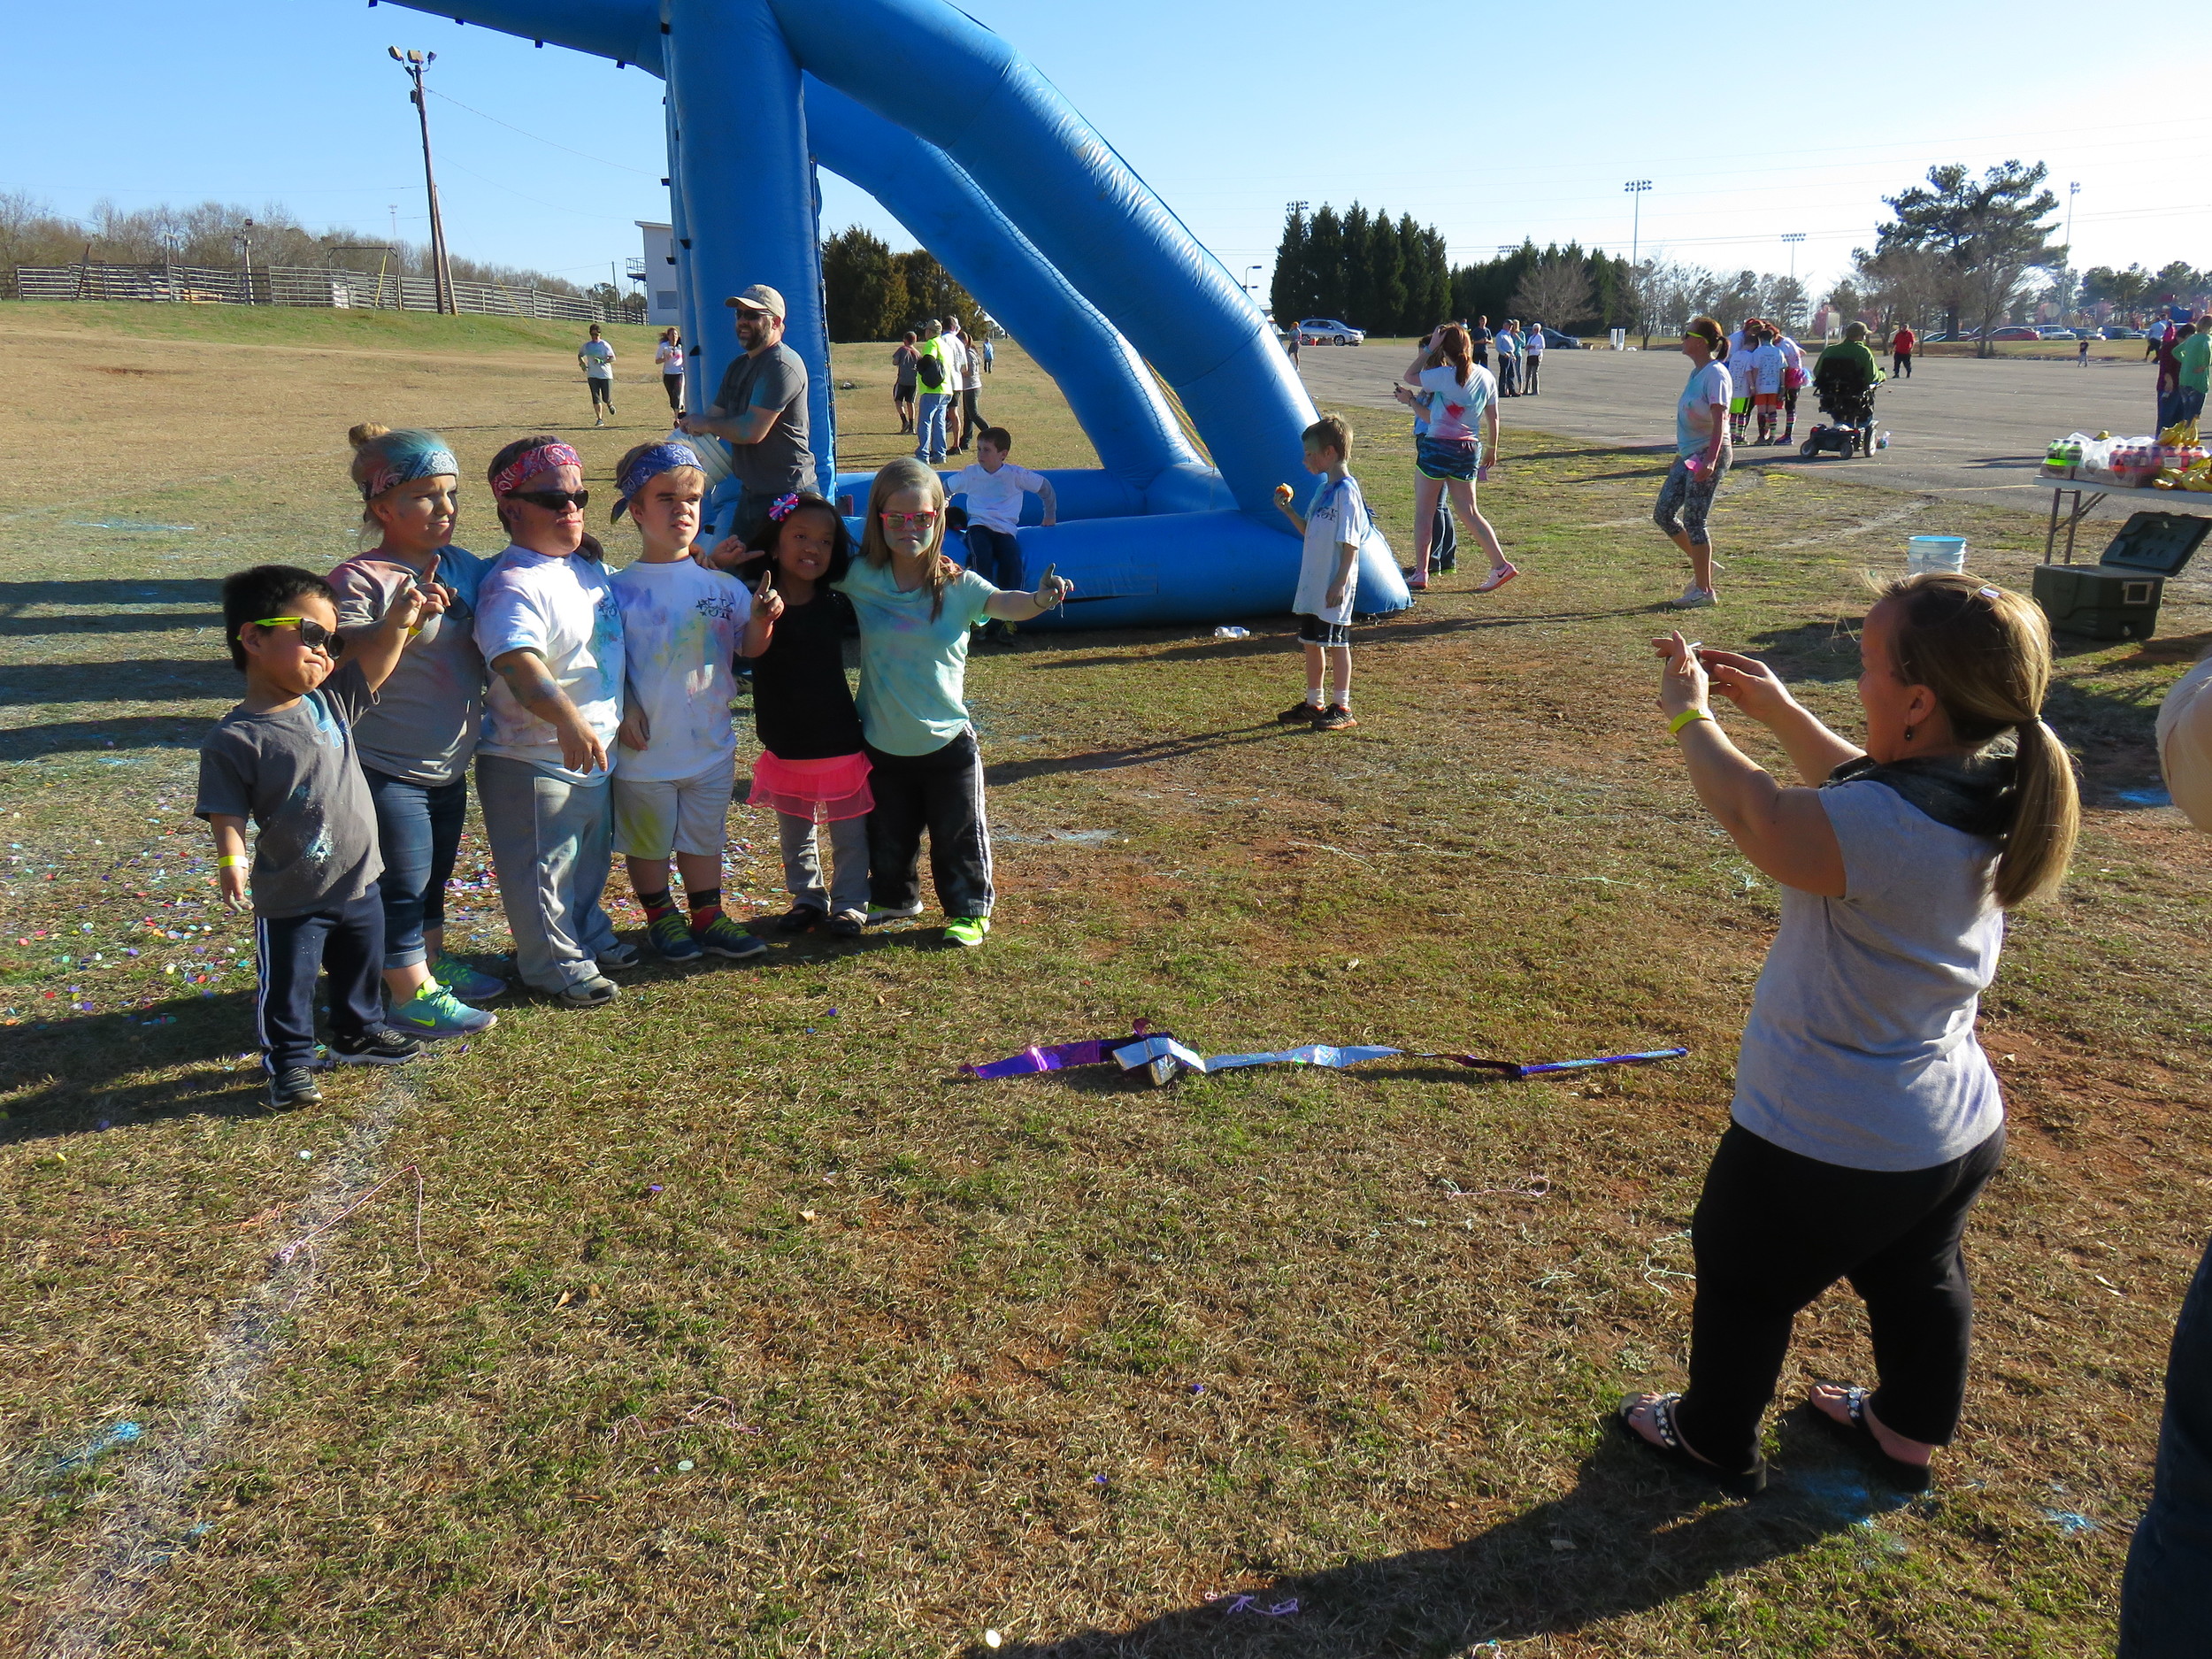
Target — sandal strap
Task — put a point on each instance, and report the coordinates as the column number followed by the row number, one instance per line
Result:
column 1855, row 1400
column 1662, row 1419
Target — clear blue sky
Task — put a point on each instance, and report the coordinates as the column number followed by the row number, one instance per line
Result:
column 1490, row 134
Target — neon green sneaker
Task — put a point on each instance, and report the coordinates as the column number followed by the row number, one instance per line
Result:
column 967, row 931
column 431, row 1012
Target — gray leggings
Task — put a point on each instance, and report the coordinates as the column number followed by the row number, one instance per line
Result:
column 848, row 886
column 1684, row 501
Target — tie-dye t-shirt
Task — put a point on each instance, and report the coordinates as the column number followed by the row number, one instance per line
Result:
column 913, row 666
column 1454, row 411
column 681, row 625
column 563, row 609
column 294, row 773
column 428, row 714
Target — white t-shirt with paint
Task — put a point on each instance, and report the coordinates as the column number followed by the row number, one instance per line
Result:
column 995, row 499
column 681, row 625
column 1454, row 411
column 1703, row 400
column 563, row 610
column 598, row 357
column 1336, row 518
column 1762, row 373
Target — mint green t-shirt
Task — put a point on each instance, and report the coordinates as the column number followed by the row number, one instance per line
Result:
column 2193, row 357
column 913, row 666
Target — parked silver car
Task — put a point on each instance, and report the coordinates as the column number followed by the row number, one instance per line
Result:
column 1326, row 331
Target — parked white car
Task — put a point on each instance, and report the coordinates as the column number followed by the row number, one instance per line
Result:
column 1326, row 331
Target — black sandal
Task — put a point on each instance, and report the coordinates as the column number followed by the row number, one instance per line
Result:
column 1749, row 1484
column 1903, row 1476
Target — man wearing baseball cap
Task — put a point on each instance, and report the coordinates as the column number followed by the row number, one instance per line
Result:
column 761, row 409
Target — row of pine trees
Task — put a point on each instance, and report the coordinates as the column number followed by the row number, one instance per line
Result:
column 1382, row 275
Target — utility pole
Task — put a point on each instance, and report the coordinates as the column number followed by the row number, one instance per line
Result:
column 2072, row 190
column 1638, row 299
column 242, row 240
column 415, row 63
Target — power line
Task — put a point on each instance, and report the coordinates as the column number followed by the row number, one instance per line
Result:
column 541, row 139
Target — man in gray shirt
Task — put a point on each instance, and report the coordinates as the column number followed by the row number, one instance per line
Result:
column 761, row 410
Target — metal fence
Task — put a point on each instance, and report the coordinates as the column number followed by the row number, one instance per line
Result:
column 301, row 285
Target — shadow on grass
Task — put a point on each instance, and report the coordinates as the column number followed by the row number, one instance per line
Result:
column 120, row 593
column 145, row 680
column 1009, row 771
column 78, row 1072
column 130, row 731
column 1629, row 1538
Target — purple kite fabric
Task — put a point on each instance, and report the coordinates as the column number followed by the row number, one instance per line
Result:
column 1059, row 1057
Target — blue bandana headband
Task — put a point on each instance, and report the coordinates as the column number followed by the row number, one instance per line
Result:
column 660, row 459
column 404, row 463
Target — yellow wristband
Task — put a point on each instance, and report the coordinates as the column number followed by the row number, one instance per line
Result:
column 230, row 861
column 1686, row 717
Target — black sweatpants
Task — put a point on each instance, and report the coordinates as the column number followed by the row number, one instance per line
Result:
column 972, row 423
column 1774, row 1229
column 346, row 941
column 941, row 792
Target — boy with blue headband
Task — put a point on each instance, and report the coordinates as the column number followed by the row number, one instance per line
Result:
column 676, row 752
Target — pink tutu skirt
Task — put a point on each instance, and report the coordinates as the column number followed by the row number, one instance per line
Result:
column 834, row 789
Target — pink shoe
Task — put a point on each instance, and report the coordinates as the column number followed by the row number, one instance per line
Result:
column 1496, row 580
column 1418, row 581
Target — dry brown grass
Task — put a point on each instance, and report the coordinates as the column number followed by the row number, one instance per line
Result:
column 900, row 1324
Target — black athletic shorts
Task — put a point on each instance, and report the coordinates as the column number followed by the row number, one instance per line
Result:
column 602, row 391
column 1313, row 631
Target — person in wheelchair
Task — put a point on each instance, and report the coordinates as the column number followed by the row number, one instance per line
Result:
column 1844, row 381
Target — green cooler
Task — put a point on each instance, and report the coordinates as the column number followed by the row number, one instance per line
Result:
column 2116, row 598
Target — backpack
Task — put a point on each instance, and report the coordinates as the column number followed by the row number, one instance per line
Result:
column 931, row 371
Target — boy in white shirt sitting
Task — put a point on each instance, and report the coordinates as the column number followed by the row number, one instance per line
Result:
column 993, row 488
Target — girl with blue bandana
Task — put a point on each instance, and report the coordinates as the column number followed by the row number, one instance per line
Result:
column 416, row 741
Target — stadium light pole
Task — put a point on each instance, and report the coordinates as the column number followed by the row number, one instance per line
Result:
column 2072, row 190
column 415, row 63
column 1635, row 188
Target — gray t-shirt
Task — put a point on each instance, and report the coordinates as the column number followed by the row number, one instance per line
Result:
column 428, row 714
column 775, row 380
column 1860, row 1049
column 294, row 773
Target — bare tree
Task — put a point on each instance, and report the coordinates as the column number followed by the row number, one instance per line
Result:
column 1556, row 291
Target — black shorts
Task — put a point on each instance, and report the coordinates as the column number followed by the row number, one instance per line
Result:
column 602, row 391
column 1313, row 631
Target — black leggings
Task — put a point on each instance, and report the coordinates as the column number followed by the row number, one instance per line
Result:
column 1774, row 1229
column 941, row 792
column 673, row 385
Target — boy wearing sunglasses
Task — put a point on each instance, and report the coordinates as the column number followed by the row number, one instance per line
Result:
column 286, row 757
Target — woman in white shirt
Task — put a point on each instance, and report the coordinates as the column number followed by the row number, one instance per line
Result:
column 669, row 355
column 1459, row 402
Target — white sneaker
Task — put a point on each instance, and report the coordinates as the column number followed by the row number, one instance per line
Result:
column 904, row 912
column 1696, row 598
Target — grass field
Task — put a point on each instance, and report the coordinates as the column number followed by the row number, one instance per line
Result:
column 738, row 1324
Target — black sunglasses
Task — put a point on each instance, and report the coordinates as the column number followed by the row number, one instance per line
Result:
column 312, row 634
column 554, row 500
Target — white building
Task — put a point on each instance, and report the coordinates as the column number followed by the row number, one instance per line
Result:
column 660, row 294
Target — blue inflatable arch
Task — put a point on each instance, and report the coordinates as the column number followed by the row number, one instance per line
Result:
column 1035, row 214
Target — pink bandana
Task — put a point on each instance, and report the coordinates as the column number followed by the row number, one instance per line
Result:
column 529, row 464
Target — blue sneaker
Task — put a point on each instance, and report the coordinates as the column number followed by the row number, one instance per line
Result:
column 669, row 934
column 465, row 982
column 431, row 1012
column 725, row 938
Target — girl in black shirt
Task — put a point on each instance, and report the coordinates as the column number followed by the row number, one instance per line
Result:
column 813, row 763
